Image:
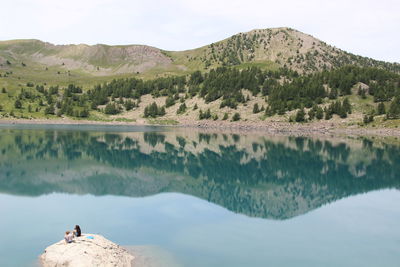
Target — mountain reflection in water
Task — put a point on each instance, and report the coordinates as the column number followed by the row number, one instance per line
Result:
column 274, row 177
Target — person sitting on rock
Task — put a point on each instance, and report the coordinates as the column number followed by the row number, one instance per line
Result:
column 77, row 231
column 69, row 237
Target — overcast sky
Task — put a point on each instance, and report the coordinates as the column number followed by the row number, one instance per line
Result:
column 364, row 27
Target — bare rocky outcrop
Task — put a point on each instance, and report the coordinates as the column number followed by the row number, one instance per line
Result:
column 85, row 251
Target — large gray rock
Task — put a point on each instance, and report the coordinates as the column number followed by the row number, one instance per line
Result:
column 86, row 252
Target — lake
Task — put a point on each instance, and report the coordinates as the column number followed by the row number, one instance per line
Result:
column 185, row 197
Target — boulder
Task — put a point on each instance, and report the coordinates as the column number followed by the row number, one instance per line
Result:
column 87, row 250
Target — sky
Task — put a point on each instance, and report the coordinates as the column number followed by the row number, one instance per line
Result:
column 364, row 27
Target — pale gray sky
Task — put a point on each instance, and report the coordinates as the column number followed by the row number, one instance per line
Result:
column 364, row 27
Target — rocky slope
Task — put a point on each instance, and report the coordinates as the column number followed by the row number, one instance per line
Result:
column 97, row 60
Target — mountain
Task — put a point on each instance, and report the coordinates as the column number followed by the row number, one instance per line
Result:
column 270, row 75
column 268, row 48
column 98, row 60
column 277, row 47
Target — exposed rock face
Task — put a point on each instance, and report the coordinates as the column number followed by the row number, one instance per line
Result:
column 86, row 252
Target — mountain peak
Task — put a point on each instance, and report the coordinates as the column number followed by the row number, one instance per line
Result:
column 267, row 48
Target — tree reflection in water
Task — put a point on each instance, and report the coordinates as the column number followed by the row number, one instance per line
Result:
column 275, row 177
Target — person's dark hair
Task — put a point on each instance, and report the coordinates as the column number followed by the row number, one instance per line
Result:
column 78, row 230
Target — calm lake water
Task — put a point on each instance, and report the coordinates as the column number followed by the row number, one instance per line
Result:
column 189, row 198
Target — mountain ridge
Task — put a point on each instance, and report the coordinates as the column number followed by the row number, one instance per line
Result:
column 268, row 48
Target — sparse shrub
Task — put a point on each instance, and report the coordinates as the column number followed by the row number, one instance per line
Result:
column 368, row 118
column 170, row 101
column 111, row 109
column 236, row 117
column 84, row 113
column 129, row 105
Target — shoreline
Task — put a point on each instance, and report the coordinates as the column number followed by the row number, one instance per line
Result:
column 264, row 127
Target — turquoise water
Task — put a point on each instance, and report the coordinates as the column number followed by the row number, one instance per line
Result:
column 205, row 199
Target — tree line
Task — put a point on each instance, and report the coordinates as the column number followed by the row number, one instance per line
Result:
column 283, row 90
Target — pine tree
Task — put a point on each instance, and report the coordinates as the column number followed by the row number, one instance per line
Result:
column 394, row 109
column 333, row 94
column 311, row 114
column 256, row 108
column 181, row 109
column 18, row 104
column 300, row 115
column 381, row 109
column 204, row 115
column 49, row 110
column 328, row 114
column 346, row 105
column 319, row 114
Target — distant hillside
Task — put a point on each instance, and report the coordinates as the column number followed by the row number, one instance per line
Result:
column 258, row 77
column 267, row 48
column 278, row 47
column 99, row 60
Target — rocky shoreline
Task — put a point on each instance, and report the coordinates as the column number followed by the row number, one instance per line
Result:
column 86, row 250
column 266, row 127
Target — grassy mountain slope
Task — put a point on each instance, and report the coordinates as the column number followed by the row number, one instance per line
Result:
column 27, row 64
column 97, row 60
column 275, row 47
column 267, row 48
